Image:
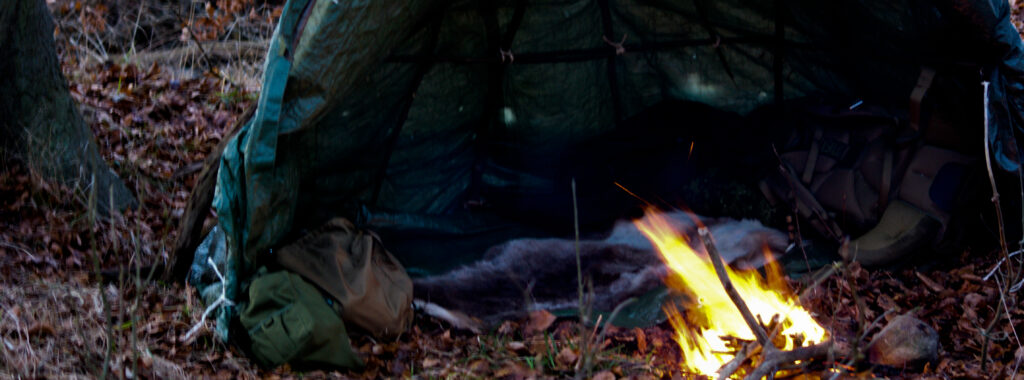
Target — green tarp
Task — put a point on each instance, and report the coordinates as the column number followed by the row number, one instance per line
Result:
column 401, row 114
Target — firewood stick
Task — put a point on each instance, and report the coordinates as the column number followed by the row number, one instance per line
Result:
column 772, row 357
column 748, row 350
column 730, row 368
column 775, row 358
column 730, row 289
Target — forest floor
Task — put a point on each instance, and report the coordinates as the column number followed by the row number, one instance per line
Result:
column 158, row 105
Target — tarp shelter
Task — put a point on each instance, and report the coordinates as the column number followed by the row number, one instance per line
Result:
column 401, row 114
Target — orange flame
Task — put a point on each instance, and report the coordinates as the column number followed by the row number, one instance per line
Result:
column 712, row 319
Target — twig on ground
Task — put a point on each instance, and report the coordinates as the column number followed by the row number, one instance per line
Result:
column 19, row 248
column 455, row 318
column 867, row 330
column 584, row 310
column 992, row 181
column 1012, row 274
column 195, row 39
column 213, row 306
column 995, row 268
column 611, row 317
column 862, row 308
column 822, row 277
column 1006, row 309
column 22, row 333
column 586, row 358
column 576, row 248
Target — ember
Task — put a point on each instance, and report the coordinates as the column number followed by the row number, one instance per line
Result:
column 706, row 327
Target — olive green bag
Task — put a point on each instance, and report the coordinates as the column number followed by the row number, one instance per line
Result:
column 352, row 266
column 333, row 275
column 290, row 321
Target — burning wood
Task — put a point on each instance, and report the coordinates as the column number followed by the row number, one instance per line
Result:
column 730, row 308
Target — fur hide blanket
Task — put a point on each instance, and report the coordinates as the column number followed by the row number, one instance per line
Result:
column 533, row 274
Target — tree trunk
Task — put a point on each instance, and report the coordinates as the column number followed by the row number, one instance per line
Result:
column 39, row 121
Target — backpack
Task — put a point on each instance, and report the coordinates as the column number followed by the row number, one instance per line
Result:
column 863, row 172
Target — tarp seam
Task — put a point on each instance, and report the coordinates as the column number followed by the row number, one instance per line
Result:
column 591, row 54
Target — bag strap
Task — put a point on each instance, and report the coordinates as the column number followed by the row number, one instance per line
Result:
column 809, row 206
column 924, row 81
column 886, row 182
column 812, row 157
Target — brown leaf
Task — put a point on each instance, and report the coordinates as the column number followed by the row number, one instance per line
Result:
column 643, row 376
column 935, row 287
column 479, row 367
column 514, row 371
column 604, row 375
column 971, row 302
column 41, row 329
column 517, row 347
column 430, row 362
column 507, row 328
column 540, row 320
column 567, row 357
column 641, row 340
column 538, row 344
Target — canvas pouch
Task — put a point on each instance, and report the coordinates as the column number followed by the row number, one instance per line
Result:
column 352, row 266
column 289, row 320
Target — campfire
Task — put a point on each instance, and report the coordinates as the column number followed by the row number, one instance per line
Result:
column 714, row 333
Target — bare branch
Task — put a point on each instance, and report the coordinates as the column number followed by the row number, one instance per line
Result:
column 774, row 359
column 730, row 289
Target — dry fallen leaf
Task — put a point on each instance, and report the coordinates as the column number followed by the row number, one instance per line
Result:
column 641, row 340
column 517, row 347
column 567, row 357
column 479, row 367
column 931, row 284
column 514, row 371
column 507, row 328
column 540, row 320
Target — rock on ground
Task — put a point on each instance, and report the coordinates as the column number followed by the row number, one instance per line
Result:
column 905, row 342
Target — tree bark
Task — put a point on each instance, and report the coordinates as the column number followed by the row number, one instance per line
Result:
column 39, row 121
column 190, row 226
